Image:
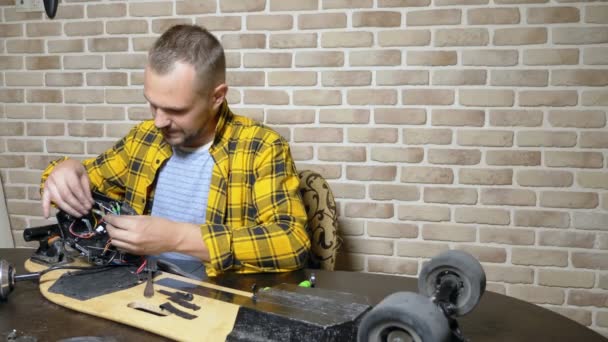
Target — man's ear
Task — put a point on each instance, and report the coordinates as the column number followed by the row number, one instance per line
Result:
column 218, row 95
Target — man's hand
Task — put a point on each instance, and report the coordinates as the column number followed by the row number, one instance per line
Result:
column 68, row 187
column 149, row 235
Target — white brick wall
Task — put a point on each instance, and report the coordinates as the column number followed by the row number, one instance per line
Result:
column 470, row 124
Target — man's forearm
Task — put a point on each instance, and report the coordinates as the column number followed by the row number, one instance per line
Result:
column 190, row 241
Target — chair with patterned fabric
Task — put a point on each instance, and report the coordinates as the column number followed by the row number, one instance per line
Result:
column 322, row 220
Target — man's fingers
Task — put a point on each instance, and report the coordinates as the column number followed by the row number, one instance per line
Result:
column 121, row 222
column 86, row 187
column 46, row 203
column 53, row 193
column 73, row 194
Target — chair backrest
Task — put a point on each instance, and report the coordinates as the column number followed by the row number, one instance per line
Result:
column 322, row 220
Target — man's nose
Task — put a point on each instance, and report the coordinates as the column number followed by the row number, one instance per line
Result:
column 161, row 119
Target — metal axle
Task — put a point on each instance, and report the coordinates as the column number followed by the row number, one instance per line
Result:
column 8, row 278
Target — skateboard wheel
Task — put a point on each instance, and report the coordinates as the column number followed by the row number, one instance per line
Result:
column 468, row 271
column 404, row 316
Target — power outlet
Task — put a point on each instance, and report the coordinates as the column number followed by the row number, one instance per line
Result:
column 29, row 5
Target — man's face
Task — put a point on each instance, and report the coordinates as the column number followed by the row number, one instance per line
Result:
column 185, row 117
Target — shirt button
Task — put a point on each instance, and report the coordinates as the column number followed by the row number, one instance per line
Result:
column 157, row 161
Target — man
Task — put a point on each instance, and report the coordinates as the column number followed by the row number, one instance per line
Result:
column 209, row 185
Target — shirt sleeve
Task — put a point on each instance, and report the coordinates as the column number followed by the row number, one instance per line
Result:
column 279, row 241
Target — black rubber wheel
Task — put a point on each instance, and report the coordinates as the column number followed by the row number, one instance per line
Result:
column 404, row 316
column 458, row 264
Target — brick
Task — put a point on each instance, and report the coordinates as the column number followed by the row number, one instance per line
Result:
column 574, row 159
column 350, row 262
column 84, row 96
column 482, row 215
column 24, row 145
column 126, row 26
column 23, row 111
column 454, row 156
column 569, row 199
column 318, row 59
column 597, row 139
column 551, row 57
column 244, row 41
column 290, row 116
column 392, row 230
column 24, row 208
column 590, row 260
column 126, row 61
column 25, row 46
column 508, row 236
column 223, row 23
column 486, row 97
column 85, row 130
column 88, row 28
column 375, row 58
column 97, row 147
column 20, row 78
column 64, row 79
column 400, row 116
column 566, row 239
column 594, row 98
column 577, row 118
column 433, row 17
column 344, row 115
column 11, row 128
column 42, row 62
column 420, row 249
column 61, row 112
column 161, row 25
column 383, row 192
column 347, row 39
column 448, row 232
column 423, row 213
column 593, row 180
column 372, row 135
column 339, row 153
column 351, row 227
column 544, row 178
column 520, row 36
column 493, row 16
column 407, row 37
column 150, row 9
column 195, row 7
column 580, row 35
column 537, row 294
column 245, row 78
column 427, row 175
column 125, row 96
column 14, row 192
column 485, row 138
column 118, row 130
column 265, row 22
column 318, row 135
column 371, row 96
column 431, row 58
column 450, row 195
column 43, row 95
column 104, row 113
column 289, row 78
column 509, row 274
column 376, row 19
column 392, row 266
column 542, row 218
column 513, row 197
column 603, row 281
column 402, row 77
column 64, row 146
column 70, row 12
column 539, row 257
column 106, row 10
column 320, row 21
column 43, row 29
column 267, row 60
column 82, row 62
column 39, row 162
column 107, row 79
column 261, row 96
column 397, row 154
column 459, row 77
column 326, row 170
column 587, row 298
column 462, row 37
column 587, row 77
column 490, row 57
column 521, row 158
column 485, row 253
column 11, row 14
column 595, row 56
column 519, row 78
column 242, row 6
column 11, row 62
column 346, row 78
column 348, row 191
column 333, row 4
column 9, row 161
column 369, row 210
column 371, row 173
column 553, row 15
column 284, row 5
column 546, row 139
column 596, row 14
column 485, row 176
column 592, row 221
column 526, row 118
column 11, row 95
column 429, row 97
column 317, row 97
column 11, row 30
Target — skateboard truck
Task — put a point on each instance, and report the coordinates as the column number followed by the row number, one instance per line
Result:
column 8, row 278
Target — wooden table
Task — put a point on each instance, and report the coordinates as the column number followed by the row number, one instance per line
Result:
column 496, row 318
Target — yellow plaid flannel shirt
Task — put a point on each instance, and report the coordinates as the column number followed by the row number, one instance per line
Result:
column 255, row 220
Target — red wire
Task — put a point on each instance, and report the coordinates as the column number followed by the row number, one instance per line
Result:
column 82, row 236
column 141, row 267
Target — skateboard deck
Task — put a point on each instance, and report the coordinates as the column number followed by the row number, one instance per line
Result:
column 213, row 321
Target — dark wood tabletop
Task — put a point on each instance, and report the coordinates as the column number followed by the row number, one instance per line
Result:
column 496, row 318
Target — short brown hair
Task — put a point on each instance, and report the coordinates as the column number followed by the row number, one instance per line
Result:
column 193, row 45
